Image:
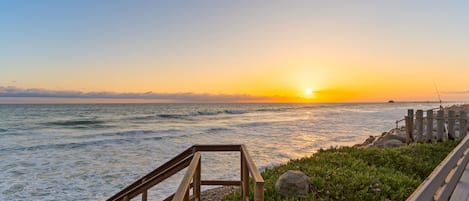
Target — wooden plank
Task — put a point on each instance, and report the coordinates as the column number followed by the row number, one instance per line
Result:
column 451, row 123
column 145, row 193
column 256, row 175
column 157, row 178
column 436, row 179
column 183, row 189
column 197, row 183
column 462, row 124
column 220, row 183
column 409, row 129
column 419, row 126
column 244, row 177
column 259, row 192
column 461, row 192
column 207, row 148
column 440, row 123
column 429, row 130
column 454, row 179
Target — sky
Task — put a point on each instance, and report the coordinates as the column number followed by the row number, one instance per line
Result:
column 233, row 51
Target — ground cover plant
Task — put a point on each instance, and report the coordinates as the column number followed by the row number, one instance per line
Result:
column 350, row 173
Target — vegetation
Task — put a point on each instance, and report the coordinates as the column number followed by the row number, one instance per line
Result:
column 349, row 173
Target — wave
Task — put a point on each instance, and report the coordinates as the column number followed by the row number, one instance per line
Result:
column 77, row 145
column 217, row 129
column 235, row 111
column 192, row 114
column 132, row 133
column 83, row 122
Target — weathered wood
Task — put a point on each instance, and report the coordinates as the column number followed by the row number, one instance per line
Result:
column 451, row 122
column 219, row 183
column 454, row 175
column 256, row 175
column 429, row 131
column 186, row 159
column 157, row 171
column 440, row 175
column 419, row 125
column 462, row 124
column 197, row 183
column 409, row 128
column 461, row 191
column 259, row 192
column 440, row 123
column 145, row 193
column 183, row 189
column 217, row 148
column 158, row 178
column 410, row 113
column 244, row 177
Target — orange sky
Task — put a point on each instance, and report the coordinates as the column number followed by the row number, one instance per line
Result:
column 357, row 52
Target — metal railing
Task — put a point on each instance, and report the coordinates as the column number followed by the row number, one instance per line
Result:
column 191, row 158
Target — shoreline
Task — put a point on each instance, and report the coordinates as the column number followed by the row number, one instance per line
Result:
column 397, row 136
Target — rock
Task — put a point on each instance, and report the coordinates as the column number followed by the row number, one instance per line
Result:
column 292, row 182
column 367, row 142
column 380, row 142
column 393, row 143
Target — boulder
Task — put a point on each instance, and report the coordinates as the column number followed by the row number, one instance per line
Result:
column 389, row 140
column 393, row 143
column 292, row 182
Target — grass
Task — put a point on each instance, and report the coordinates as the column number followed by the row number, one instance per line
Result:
column 349, row 173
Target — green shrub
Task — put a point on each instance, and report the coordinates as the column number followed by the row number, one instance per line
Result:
column 349, row 173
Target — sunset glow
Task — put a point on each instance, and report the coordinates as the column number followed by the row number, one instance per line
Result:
column 351, row 52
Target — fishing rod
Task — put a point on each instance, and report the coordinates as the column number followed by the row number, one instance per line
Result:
column 438, row 93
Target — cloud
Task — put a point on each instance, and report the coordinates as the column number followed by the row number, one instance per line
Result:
column 15, row 92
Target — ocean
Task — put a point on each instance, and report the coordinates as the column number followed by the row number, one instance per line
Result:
column 91, row 151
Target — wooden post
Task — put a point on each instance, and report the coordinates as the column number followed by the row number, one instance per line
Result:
column 244, row 177
column 259, row 192
column 126, row 198
column 429, row 133
column 187, row 196
column 197, row 183
column 410, row 112
column 145, row 193
column 419, row 125
column 409, row 128
column 462, row 124
column 451, row 122
column 440, row 123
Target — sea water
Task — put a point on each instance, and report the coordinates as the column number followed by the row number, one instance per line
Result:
column 91, row 151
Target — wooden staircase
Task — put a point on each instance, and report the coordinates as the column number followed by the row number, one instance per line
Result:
column 191, row 158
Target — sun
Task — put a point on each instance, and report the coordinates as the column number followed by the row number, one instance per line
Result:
column 308, row 92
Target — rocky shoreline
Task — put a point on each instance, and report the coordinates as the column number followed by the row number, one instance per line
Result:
column 397, row 136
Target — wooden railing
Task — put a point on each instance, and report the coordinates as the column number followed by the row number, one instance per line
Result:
column 444, row 178
column 191, row 158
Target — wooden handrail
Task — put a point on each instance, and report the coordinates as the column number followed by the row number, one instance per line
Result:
column 192, row 173
column 252, row 166
column 164, row 167
column 155, row 179
column 191, row 158
column 442, row 181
